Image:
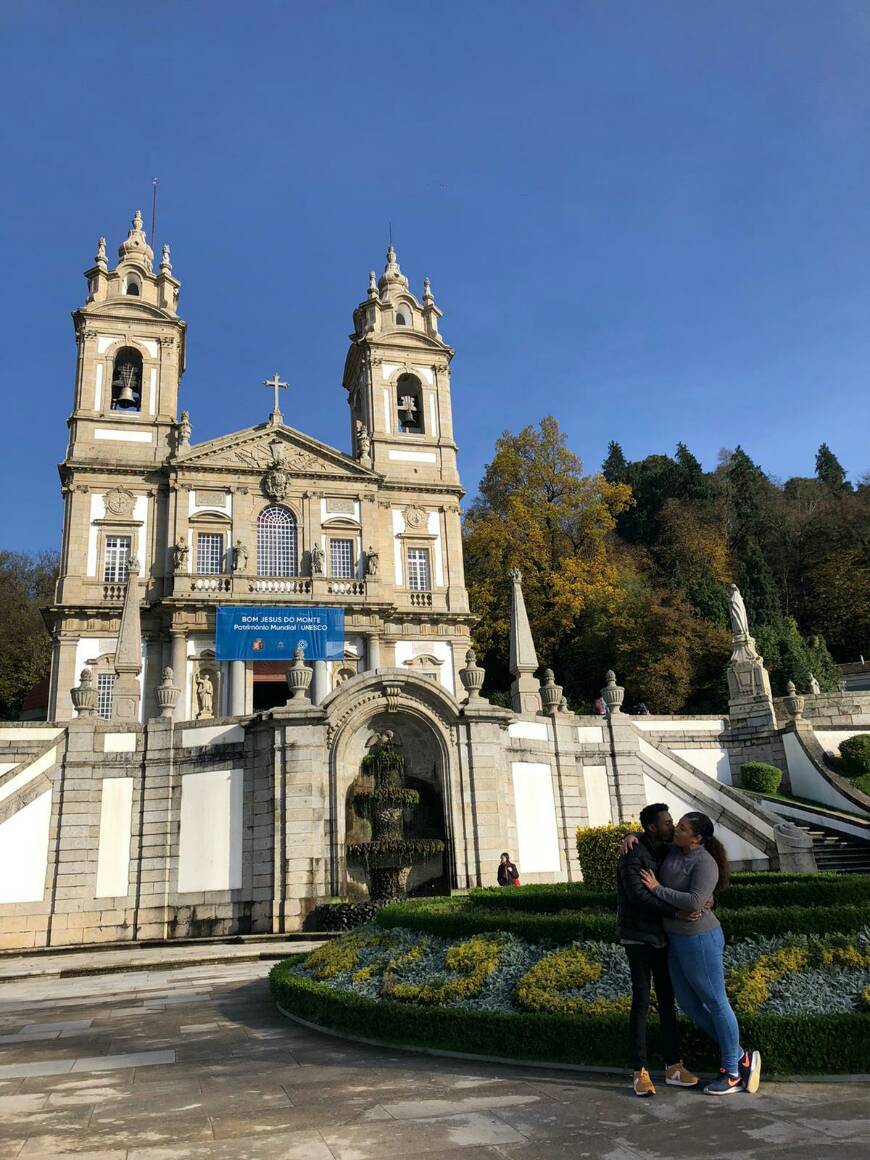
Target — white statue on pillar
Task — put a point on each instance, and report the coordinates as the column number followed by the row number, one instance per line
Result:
column 204, row 695
column 737, row 609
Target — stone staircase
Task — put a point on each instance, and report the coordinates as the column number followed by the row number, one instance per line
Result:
column 837, row 851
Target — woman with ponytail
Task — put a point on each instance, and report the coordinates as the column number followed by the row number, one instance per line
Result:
column 696, row 867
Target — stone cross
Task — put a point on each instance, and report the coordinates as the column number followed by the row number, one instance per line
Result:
column 276, row 385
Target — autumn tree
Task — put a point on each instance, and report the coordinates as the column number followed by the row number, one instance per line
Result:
column 26, row 583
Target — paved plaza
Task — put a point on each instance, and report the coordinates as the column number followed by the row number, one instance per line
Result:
column 163, row 1064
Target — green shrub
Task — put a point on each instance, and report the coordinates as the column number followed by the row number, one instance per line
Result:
column 790, row 1044
column 759, row 776
column 598, row 852
column 862, row 783
column 855, row 755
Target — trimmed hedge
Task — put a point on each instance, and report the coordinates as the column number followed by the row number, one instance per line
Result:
column 855, row 755
column 760, row 777
column 598, row 852
column 568, row 926
column 790, row 1044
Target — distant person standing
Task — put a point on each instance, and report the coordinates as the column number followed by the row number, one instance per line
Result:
column 600, row 707
column 508, row 875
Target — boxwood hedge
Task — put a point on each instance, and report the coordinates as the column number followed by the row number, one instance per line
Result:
column 790, row 1045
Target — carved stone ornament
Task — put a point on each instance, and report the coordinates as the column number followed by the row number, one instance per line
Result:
column 415, row 518
column 392, row 693
column 120, row 502
column 276, row 482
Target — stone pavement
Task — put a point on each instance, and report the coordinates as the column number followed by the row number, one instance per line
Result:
column 195, row 1062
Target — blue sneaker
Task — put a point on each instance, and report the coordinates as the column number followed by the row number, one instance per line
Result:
column 750, row 1070
column 724, row 1085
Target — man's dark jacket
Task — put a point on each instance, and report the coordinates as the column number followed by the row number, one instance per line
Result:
column 639, row 913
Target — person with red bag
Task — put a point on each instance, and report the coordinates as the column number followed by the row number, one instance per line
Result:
column 508, row 875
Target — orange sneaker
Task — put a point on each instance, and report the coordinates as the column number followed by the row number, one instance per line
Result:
column 643, row 1085
column 678, row 1075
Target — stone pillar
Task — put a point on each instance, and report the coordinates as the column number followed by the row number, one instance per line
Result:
column 373, row 653
column 318, row 682
column 63, row 677
column 795, row 849
column 525, row 690
column 238, row 677
column 179, row 668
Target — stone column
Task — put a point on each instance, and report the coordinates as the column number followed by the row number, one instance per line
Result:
column 373, row 652
column 238, row 676
column 179, row 667
column 318, row 682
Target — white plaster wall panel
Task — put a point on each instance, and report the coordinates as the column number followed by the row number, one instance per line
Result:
column 433, row 527
column 388, row 369
column 388, row 418
column 32, row 734
column 412, row 456
column 122, row 436
column 40, row 764
column 98, row 512
column 113, row 858
column 736, row 847
column 590, row 735
column 210, row 848
column 213, row 735
column 152, row 398
column 147, row 344
column 24, row 852
column 194, row 505
column 831, row 739
column 119, row 742
column 398, row 528
column 713, row 762
column 140, row 512
column 598, row 807
column 806, row 781
column 104, row 341
column 442, row 650
column 5, row 766
column 531, row 730
column 537, row 837
column 425, row 373
column 326, row 516
column 98, row 387
column 88, row 648
column 684, row 725
column 433, row 414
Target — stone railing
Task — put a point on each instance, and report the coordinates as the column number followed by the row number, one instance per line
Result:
column 298, row 585
column 210, row 583
column 421, row 599
column 114, row 592
column 346, row 587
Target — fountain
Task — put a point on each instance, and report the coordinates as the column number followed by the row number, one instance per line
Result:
column 389, row 856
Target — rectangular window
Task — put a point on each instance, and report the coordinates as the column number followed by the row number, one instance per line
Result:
column 341, row 558
column 210, row 553
column 105, row 690
column 419, row 578
column 117, row 557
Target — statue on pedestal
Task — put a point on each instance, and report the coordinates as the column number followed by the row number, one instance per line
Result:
column 815, row 687
column 372, row 562
column 204, row 695
column 240, row 556
column 317, row 560
column 179, row 554
column 737, row 609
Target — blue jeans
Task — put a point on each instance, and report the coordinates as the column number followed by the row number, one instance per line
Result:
column 698, row 975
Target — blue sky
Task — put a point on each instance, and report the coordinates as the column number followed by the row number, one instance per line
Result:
column 651, row 219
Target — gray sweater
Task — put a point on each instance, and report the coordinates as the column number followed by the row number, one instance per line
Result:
column 686, row 881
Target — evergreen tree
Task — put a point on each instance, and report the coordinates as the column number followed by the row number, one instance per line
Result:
column 615, row 466
column 829, row 470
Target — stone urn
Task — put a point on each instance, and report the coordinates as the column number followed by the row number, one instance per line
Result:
column 84, row 695
column 472, row 677
column 167, row 693
column 612, row 694
column 794, row 702
column 551, row 693
column 299, row 676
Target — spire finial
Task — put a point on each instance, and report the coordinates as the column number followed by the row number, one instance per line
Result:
column 135, row 246
column 100, row 259
column 427, row 291
column 137, row 220
column 165, row 264
column 373, row 285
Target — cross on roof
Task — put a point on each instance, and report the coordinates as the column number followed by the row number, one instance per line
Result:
column 276, row 384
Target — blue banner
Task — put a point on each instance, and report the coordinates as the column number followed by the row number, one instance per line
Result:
column 272, row 634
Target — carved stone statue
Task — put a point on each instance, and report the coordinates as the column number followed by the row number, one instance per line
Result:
column 815, row 687
column 737, row 609
column 204, row 695
column 317, row 560
column 372, row 562
column 179, row 554
column 363, row 440
column 184, row 429
column 240, row 556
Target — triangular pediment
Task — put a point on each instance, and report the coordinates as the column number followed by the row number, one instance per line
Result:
column 256, row 449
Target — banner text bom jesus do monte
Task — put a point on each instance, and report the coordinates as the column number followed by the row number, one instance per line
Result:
column 272, row 634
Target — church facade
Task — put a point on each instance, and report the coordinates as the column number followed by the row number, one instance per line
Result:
column 264, row 516
column 172, row 793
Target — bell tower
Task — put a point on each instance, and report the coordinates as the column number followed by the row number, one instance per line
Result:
column 397, row 375
column 131, row 354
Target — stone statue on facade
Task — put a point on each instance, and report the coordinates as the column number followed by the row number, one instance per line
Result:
column 240, row 556
column 363, row 441
column 317, row 560
column 815, row 687
column 737, row 610
column 184, row 429
column 179, row 554
column 372, row 562
column 204, row 695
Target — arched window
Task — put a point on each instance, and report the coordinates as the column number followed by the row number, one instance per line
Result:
column 409, row 403
column 127, row 380
column 403, row 318
column 132, row 286
column 276, row 542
